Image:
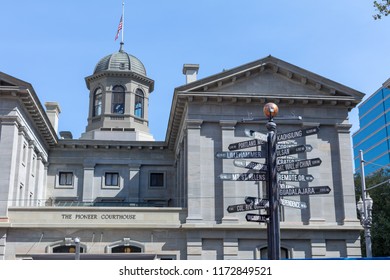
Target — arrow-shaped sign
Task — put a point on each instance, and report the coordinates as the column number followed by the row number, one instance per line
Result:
column 246, row 144
column 304, row 191
column 293, row 203
column 294, row 150
column 257, row 201
column 286, row 159
column 244, row 207
column 299, row 164
column 295, row 177
column 286, row 186
column 250, row 165
column 255, row 134
column 243, row 176
column 256, row 218
column 297, row 133
column 247, row 154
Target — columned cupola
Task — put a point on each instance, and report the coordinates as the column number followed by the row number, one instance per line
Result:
column 119, row 99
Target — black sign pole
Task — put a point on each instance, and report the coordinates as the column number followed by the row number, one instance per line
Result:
column 273, row 229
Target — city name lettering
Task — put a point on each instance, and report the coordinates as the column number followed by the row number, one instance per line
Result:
column 296, row 191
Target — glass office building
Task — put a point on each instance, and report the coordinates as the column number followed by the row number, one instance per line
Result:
column 373, row 136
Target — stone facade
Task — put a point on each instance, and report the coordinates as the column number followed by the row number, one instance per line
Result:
column 165, row 199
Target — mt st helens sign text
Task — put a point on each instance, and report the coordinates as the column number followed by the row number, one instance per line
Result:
column 243, row 176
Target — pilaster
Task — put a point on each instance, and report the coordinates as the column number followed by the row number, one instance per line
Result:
column 134, row 187
column 194, row 171
column 88, row 186
column 230, row 190
column 8, row 150
column 346, row 174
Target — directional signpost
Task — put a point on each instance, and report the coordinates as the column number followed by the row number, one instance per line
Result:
column 257, row 135
column 276, row 149
column 304, row 191
column 299, row 164
column 256, row 201
column 293, row 203
column 295, row 177
column 256, row 218
column 243, row 176
column 250, row 165
column 244, row 207
column 293, row 150
column 297, row 133
column 247, row 154
column 246, row 144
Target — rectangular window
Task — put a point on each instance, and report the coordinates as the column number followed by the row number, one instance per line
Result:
column 112, row 179
column 157, row 180
column 66, row 178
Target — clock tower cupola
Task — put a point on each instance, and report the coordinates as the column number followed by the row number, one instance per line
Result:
column 119, row 92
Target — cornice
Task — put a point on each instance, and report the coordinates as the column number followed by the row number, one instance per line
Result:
column 110, row 145
column 26, row 94
column 120, row 74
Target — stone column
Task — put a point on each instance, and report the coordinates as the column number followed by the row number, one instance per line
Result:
column 346, row 177
column 194, row 183
column 89, row 170
column 8, row 162
column 229, row 188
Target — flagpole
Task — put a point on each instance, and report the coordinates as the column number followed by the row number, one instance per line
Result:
column 123, row 19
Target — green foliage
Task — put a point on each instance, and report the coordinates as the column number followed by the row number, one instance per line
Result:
column 380, row 231
column 382, row 8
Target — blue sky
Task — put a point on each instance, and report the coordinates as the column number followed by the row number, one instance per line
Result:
column 54, row 45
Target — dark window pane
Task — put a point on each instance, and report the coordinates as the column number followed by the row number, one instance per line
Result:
column 157, row 179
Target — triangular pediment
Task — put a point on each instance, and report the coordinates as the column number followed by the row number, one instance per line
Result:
column 272, row 78
column 266, row 80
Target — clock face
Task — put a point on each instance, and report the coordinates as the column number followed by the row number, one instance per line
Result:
column 118, row 109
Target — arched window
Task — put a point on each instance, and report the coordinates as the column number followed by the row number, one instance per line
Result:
column 126, row 249
column 67, row 249
column 139, row 103
column 97, row 103
column 118, row 100
column 125, row 246
column 67, row 245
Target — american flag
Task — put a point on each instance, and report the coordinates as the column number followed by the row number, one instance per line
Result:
column 119, row 29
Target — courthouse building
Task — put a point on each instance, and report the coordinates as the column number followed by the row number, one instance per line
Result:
column 118, row 194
